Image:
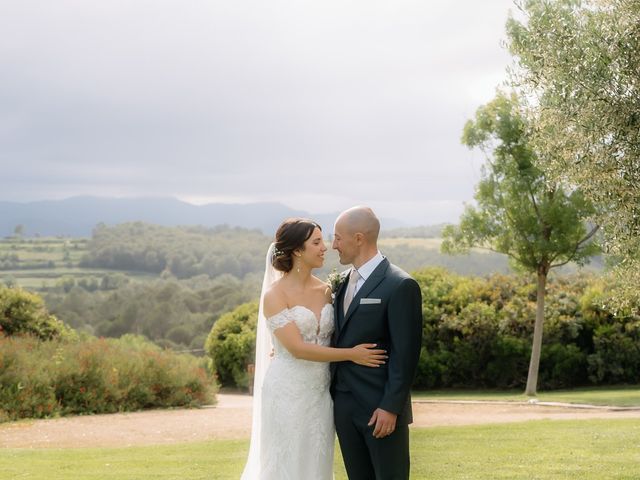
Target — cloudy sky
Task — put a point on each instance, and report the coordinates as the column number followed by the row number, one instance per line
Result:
column 316, row 104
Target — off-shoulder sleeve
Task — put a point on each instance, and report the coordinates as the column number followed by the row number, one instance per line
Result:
column 278, row 320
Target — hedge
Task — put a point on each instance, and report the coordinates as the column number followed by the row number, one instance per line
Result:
column 477, row 334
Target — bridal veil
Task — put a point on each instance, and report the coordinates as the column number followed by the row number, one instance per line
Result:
column 263, row 352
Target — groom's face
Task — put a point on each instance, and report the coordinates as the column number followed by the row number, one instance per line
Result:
column 345, row 243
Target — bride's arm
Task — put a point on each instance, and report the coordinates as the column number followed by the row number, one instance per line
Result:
column 290, row 337
column 363, row 354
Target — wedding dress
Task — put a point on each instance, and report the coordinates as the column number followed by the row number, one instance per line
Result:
column 297, row 410
column 292, row 431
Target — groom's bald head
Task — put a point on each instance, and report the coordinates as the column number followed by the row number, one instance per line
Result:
column 355, row 235
column 362, row 220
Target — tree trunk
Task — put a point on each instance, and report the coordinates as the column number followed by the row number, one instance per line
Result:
column 534, row 364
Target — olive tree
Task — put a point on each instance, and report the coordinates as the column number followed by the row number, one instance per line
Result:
column 578, row 64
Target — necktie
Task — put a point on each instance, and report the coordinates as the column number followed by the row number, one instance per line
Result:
column 351, row 289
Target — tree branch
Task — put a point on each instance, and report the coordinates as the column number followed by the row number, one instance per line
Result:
column 489, row 249
column 577, row 247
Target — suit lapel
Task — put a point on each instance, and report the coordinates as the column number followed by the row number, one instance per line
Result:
column 372, row 282
column 338, row 299
column 344, row 282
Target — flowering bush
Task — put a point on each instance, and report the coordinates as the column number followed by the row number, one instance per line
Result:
column 40, row 379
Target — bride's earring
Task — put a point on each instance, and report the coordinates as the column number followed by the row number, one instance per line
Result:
column 298, row 264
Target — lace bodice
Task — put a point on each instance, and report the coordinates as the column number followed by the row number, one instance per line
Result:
column 313, row 329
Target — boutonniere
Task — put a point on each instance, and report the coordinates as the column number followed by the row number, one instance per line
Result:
column 334, row 280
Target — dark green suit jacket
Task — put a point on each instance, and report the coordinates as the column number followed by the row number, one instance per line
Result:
column 386, row 310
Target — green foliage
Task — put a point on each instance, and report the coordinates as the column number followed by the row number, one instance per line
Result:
column 618, row 353
column 181, row 251
column 411, row 256
column 52, row 264
column 24, row 313
column 171, row 312
column 22, row 253
column 579, row 63
column 519, row 213
column 231, row 345
column 40, row 379
column 477, row 333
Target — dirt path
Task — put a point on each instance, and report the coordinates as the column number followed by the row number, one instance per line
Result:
column 231, row 419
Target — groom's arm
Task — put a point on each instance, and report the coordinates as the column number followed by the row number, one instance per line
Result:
column 405, row 331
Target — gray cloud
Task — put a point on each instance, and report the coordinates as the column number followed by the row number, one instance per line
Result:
column 316, row 104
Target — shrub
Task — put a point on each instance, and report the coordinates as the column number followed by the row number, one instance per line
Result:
column 563, row 365
column 470, row 336
column 23, row 312
column 616, row 357
column 509, row 362
column 477, row 333
column 40, row 379
column 231, row 345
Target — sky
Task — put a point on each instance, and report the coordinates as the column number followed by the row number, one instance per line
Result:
column 319, row 105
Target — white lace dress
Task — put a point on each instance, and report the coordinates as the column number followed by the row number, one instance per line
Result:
column 297, row 435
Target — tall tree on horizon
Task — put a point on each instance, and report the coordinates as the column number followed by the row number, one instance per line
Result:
column 537, row 224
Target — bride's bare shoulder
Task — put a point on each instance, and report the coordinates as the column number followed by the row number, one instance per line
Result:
column 275, row 300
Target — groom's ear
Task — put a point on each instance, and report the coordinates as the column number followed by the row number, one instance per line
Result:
column 359, row 238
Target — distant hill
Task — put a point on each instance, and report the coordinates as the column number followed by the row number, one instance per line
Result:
column 77, row 216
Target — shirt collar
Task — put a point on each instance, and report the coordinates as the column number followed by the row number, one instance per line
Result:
column 367, row 269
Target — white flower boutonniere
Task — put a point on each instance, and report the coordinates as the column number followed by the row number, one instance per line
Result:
column 334, row 280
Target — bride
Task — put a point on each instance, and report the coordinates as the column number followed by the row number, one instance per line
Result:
column 292, row 430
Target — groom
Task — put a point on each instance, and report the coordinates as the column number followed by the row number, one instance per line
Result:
column 379, row 303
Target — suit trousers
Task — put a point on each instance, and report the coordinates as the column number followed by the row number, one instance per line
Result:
column 366, row 457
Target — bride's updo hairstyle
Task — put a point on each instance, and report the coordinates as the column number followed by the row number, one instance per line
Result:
column 290, row 236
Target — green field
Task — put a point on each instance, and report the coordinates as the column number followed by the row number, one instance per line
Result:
column 541, row 450
column 44, row 249
column 38, row 263
column 43, row 261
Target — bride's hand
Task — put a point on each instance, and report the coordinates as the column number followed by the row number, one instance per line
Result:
column 365, row 354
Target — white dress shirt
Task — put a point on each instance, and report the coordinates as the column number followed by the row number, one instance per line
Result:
column 367, row 269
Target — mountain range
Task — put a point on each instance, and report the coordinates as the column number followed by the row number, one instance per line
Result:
column 77, row 216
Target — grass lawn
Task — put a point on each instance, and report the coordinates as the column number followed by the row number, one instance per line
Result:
column 619, row 396
column 583, row 449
